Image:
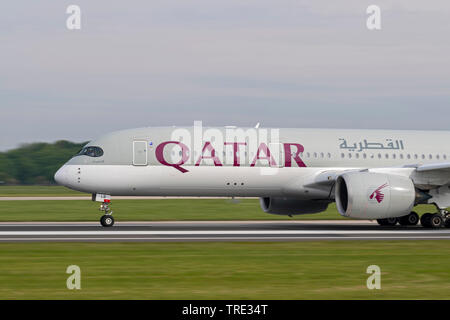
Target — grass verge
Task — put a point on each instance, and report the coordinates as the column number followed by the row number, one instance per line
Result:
column 39, row 191
column 284, row 270
column 153, row 210
column 144, row 210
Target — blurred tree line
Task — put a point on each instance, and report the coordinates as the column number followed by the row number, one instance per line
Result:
column 35, row 163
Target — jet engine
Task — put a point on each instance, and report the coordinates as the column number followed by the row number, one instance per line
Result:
column 292, row 206
column 365, row 195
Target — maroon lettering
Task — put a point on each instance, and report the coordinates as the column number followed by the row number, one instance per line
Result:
column 236, row 158
column 291, row 151
column 184, row 151
column 288, row 154
column 263, row 148
column 208, row 146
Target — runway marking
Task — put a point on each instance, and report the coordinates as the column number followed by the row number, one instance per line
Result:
column 192, row 231
column 224, row 232
column 228, row 238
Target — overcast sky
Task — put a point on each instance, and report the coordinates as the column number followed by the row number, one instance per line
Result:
column 284, row 63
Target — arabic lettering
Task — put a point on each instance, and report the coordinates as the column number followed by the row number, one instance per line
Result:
column 389, row 144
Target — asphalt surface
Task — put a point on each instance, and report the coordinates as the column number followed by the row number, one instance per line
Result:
column 89, row 198
column 213, row 231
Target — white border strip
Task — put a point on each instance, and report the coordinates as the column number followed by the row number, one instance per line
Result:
column 225, row 232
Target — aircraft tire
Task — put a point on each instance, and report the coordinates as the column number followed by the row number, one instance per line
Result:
column 411, row 219
column 107, row 221
column 436, row 221
column 447, row 223
column 387, row 222
column 424, row 220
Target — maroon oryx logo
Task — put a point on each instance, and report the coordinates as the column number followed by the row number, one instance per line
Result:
column 377, row 194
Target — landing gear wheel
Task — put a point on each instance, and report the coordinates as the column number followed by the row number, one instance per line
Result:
column 411, row 219
column 387, row 222
column 107, row 220
column 436, row 221
column 447, row 223
column 425, row 220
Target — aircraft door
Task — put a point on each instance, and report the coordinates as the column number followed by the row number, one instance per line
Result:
column 140, row 153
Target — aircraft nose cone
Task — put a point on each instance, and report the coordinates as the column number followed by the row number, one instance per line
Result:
column 61, row 176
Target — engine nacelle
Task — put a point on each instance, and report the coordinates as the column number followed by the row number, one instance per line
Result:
column 292, row 206
column 365, row 195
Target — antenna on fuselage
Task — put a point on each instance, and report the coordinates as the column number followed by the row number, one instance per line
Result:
column 257, row 126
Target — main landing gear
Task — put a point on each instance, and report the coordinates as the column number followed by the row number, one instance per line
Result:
column 436, row 220
column 107, row 219
column 387, row 222
column 411, row 219
column 428, row 220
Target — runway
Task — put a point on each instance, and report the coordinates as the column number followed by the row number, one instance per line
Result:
column 84, row 198
column 213, row 231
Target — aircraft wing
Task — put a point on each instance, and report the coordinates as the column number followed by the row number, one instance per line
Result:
column 428, row 176
column 327, row 178
column 443, row 167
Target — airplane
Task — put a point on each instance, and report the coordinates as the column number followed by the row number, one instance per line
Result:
column 370, row 174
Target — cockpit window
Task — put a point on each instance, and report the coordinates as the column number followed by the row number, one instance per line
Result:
column 91, row 152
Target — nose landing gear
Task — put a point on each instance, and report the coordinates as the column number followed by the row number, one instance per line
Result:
column 107, row 219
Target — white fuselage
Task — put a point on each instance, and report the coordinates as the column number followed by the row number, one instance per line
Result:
column 157, row 162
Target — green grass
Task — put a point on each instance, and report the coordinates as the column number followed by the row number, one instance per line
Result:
column 284, row 270
column 140, row 210
column 143, row 210
column 38, row 191
column 152, row 210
